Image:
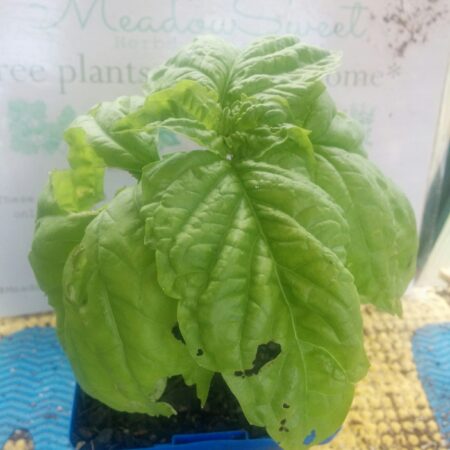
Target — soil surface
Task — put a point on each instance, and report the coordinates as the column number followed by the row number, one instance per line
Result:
column 99, row 427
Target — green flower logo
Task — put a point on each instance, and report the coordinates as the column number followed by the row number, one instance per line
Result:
column 30, row 130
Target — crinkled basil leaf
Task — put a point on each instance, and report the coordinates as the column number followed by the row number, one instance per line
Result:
column 382, row 246
column 332, row 128
column 207, row 60
column 118, row 325
column 128, row 150
column 250, row 251
column 56, row 234
column 187, row 108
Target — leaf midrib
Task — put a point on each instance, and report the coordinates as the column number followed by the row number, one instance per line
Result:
column 277, row 275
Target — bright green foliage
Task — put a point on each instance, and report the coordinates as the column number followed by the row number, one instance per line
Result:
column 271, row 234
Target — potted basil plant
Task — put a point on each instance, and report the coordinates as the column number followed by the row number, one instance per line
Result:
column 243, row 261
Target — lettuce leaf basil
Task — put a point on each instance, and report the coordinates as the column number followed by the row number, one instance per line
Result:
column 259, row 246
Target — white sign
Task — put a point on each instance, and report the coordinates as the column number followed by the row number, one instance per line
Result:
column 58, row 58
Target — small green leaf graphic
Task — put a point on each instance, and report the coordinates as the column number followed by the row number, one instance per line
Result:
column 30, row 130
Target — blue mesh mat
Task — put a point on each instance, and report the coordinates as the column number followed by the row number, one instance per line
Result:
column 36, row 388
column 431, row 346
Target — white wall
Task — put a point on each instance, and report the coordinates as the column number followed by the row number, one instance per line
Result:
column 54, row 59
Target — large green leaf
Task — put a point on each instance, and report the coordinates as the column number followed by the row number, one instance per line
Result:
column 63, row 213
column 56, row 234
column 118, row 327
column 250, row 250
column 382, row 244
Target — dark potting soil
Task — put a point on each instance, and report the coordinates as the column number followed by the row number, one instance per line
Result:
column 99, row 427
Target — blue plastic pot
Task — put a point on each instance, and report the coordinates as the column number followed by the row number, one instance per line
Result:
column 236, row 440
column 220, row 440
column 217, row 441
